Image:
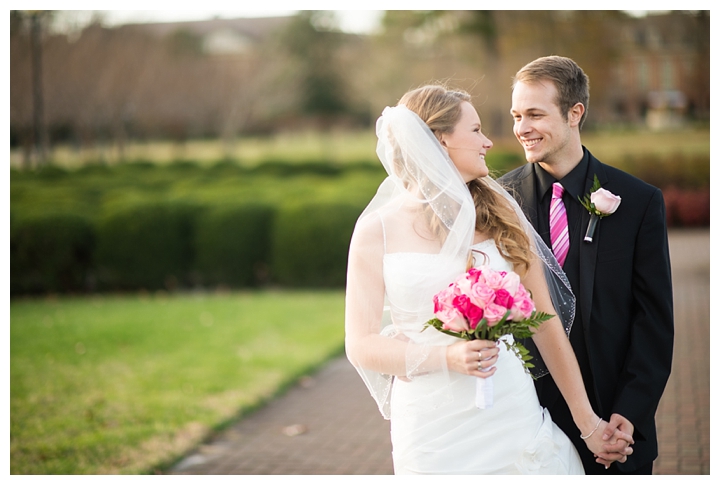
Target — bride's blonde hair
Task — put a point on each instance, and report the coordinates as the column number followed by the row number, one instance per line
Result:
column 440, row 108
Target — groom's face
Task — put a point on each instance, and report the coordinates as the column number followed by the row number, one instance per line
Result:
column 539, row 126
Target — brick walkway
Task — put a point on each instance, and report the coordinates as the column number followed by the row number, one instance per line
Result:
column 329, row 425
column 683, row 417
column 326, row 425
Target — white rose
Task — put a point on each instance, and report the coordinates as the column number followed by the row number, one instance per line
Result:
column 605, row 201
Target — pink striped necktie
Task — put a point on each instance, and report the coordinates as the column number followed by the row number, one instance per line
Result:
column 559, row 237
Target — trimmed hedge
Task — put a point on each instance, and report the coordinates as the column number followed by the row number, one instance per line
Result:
column 50, row 253
column 310, row 243
column 73, row 231
column 146, row 246
column 232, row 245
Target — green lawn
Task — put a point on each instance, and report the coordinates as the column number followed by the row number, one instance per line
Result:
column 127, row 384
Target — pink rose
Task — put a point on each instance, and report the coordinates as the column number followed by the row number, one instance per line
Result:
column 473, row 275
column 478, row 274
column 460, row 302
column 443, row 299
column 463, row 285
column 521, row 292
column 511, row 283
column 481, row 295
column 453, row 321
column 522, row 308
column 445, row 311
column 494, row 279
column 472, row 312
column 443, row 303
column 494, row 313
column 605, row 201
column 503, row 298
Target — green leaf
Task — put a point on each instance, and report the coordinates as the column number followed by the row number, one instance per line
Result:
column 586, row 201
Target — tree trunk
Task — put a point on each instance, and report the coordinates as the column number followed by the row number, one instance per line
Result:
column 39, row 132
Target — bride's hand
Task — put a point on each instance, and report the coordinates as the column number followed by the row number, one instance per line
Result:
column 594, row 441
column 470, row 356
column 618, row 441
column 598, row 445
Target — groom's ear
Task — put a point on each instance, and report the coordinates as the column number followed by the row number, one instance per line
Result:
column 575, row 114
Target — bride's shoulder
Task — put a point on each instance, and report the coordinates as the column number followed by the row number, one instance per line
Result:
column 368, row 230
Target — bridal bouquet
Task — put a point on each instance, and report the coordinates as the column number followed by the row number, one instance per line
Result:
column 488, row 304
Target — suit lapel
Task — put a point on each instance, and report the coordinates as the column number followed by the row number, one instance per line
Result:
column 589, row 251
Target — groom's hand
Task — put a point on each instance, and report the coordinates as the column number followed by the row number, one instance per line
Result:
column 618, row 437
column 618, row 429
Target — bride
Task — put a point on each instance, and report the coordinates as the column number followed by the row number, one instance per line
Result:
column 437, row 213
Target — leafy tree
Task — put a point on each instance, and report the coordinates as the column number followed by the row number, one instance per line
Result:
column 312, row 41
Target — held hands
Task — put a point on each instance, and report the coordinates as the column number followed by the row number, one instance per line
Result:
column 473, row 357
column 610, row 442
column 617, row 436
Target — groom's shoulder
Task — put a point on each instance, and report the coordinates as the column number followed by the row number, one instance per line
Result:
column 616, row 176
column 514, row 176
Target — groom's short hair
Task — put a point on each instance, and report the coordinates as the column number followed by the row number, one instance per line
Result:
column 571, row 82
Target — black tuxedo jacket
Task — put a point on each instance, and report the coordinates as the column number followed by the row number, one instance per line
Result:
column 624, row 301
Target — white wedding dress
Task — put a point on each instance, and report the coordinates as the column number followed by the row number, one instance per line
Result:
column 436, row 427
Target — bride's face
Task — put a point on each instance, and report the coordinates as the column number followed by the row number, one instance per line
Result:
column 467, row 145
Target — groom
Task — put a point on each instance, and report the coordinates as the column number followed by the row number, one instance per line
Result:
column 623, row 329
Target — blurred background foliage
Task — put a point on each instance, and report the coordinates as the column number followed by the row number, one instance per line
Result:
column 239, row 152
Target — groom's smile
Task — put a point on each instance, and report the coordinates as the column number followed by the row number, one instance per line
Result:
column 528, row 144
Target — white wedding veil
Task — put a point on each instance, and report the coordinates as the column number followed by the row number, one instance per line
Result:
column 423, row 211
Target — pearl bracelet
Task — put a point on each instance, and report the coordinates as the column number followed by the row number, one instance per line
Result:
column 591, row 432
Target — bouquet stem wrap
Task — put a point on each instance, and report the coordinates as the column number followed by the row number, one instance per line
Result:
column 484, row 392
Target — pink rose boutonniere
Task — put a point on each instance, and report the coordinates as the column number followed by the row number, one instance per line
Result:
column 599, row 203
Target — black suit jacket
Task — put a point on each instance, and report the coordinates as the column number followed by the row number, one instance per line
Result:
column 624, row 300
